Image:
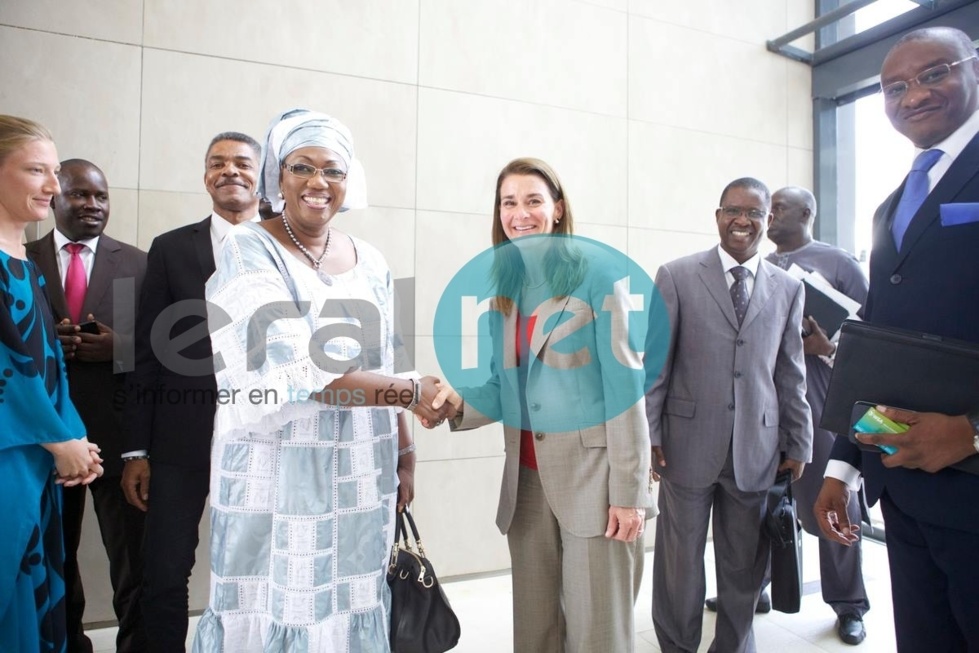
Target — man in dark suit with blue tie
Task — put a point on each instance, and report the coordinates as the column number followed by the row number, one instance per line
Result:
column 173, row 389
column 924, row 276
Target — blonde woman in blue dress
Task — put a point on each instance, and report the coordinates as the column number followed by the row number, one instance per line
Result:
column 42, row 438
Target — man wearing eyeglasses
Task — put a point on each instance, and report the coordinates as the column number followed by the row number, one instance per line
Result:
column 924, row 276
column 173, row 390
column 725, row 413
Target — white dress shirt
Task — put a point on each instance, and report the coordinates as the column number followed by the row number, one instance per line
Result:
column 951, row 148
column 728, row 262
column 219, row 231
column 87, row 255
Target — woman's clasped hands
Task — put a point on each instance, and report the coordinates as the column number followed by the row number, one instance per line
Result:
column 77, row 462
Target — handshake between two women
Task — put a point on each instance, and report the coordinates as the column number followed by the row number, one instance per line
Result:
column 447, row 403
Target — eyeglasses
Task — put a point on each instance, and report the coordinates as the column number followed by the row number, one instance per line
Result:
column 930, row 77
column 306, row 171
column 732, row 212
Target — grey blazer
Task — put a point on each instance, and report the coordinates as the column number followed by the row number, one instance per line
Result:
column 583, row 470
column 720, row 382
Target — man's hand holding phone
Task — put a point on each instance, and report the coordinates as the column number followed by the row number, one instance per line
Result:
column 90, row 341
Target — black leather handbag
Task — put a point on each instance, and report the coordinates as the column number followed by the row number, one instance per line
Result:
column 785, row 533
column 422, row 621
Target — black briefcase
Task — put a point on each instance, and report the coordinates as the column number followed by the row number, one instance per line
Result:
column 785, row 533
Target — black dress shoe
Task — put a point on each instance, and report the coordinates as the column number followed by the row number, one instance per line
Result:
column 764, row 604
column 850, row 628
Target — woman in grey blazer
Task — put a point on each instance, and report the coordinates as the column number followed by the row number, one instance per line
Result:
column 576, row 488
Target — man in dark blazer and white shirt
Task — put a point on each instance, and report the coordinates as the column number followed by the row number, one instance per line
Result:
column 97, row 365
column 929, row 282
column 173, row 390
column 726, row 412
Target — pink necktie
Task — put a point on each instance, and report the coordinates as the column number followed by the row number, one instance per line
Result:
column 75, row 282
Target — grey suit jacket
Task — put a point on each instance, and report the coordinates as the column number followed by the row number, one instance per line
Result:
column 721, row 382
column 583, row 470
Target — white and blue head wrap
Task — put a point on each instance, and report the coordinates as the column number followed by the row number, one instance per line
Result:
column 297, row 128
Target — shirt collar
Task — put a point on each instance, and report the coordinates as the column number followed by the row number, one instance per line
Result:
column 60, row 240
column 953, row 145
column 220, row 227
column 728, row 262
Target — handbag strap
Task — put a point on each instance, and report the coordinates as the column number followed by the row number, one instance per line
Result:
column 406, row 518
column 406, row 515
column 404, row 521
column 779, row 492
column 400, row 533
column 400, row 541
column 782, row 487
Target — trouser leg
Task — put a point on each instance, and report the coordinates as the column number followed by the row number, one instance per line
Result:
column 121, row 526
column 176, row 503
column 679, row 581
column 601, row 580
column 534, row 539
column 741, row 552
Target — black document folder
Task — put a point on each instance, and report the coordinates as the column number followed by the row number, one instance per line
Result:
column 827, row 312
column 903, row 369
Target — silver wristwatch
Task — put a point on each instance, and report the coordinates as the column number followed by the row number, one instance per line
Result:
column 973, row 418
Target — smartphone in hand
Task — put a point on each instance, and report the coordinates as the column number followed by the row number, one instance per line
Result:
column 91, row 327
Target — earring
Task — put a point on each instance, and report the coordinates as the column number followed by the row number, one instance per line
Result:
column 280, row 195
column 557, row 221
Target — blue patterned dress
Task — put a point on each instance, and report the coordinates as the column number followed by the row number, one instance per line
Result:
column 302, row 493
column 34, row 409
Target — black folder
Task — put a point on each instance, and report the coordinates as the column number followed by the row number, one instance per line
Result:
column 904, row 369
column 827, row 312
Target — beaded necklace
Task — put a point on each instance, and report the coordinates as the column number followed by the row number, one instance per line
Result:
column 302, row 248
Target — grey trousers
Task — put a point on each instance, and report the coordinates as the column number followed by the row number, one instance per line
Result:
column 840, row 567
column 570, row 594
column 741, row 553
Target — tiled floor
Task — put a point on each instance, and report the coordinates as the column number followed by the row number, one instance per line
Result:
column 483, row 608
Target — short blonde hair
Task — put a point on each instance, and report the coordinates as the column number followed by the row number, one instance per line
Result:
column 16, row 132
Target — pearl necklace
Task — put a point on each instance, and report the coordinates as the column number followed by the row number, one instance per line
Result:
column 302, row 248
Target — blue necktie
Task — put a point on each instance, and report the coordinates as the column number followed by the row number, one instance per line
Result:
column 915, row 192
column 739, row 292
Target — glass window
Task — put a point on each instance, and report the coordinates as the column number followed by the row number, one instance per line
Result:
column 880, row 12
column 882, row 159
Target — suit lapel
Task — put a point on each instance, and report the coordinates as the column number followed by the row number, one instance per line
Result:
column 964, row 168
column 882, row 238
column 510, row 339
column 765, row 283
column 103, row 273
column 202, row 246
column 554, row 308
column 47, row 261
column 712, row 276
